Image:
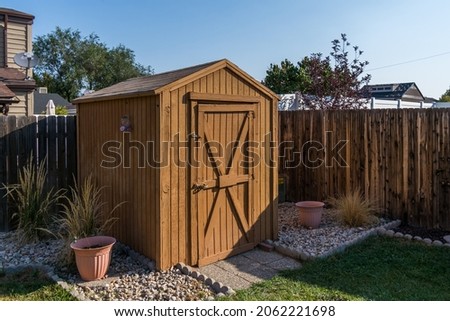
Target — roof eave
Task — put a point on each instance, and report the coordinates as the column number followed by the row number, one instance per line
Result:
column 87, row 99
column 11, row 100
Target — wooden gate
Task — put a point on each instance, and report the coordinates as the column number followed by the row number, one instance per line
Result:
column 222, row 179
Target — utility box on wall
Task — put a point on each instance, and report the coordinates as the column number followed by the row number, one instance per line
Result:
column 192, row 153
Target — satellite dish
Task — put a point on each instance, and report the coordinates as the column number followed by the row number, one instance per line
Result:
column 26, row 60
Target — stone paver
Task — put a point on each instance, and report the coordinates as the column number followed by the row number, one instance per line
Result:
column 447, row 238
column 241, row 271
column 262, row 257
column 285, row 263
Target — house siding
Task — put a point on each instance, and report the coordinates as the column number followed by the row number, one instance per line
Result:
column 24, row 106
column 2, row 44
column 19, row 39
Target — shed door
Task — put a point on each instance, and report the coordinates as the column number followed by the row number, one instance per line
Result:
column 222, row 180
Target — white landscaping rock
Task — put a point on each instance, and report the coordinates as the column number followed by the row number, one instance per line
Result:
column 133, row 280
column 320, row 242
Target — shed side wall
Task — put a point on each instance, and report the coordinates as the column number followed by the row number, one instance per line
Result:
column 127, row 172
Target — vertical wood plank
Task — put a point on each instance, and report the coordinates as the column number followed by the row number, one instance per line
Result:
column 52, row 166
column 4, row 215
column 12, row 149
column 71, row 149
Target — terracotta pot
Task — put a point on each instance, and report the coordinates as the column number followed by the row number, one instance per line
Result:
column 93, row 256
column 310, row 213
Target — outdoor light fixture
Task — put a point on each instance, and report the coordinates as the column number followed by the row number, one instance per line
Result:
column 125, row 125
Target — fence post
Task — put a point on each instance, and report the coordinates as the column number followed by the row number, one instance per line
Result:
column 421, row 104
column 399, row 103
column 372, row 103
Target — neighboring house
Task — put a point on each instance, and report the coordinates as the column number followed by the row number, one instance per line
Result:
column 401, row 95
column 401, row 91
column 42, row 97
column 431, row 100
column 16, row 84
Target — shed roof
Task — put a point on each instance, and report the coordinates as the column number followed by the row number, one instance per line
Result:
column 153, row 84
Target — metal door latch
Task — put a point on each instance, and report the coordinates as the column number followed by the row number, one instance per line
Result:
column 198, row 187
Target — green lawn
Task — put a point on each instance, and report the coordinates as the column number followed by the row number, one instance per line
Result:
column 31, row 285
column 380, row 268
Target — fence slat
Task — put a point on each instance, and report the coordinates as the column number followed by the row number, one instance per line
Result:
column 4, row 217
column 71, row 149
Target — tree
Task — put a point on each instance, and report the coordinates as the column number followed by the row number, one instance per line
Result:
column 59, row 69
column 445, row 97
column 283, row 78
column 121, row 65
column 71, row 63
column 334, row 82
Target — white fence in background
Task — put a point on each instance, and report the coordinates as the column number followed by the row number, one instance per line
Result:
column 395, row 104
column 293, row 102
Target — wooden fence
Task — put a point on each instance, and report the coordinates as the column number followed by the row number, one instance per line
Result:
column 401, row 158
column 49, row 138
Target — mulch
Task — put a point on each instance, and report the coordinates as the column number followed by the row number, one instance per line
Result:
column 434, row 234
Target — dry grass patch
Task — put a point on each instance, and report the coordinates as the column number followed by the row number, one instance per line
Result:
column 354, row 210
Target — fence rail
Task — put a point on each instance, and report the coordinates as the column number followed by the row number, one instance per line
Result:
column 47, row 138
column 401, row 158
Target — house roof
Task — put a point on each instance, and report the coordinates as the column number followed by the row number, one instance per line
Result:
column 6, row 95
column 13, row 77
column 5, row 92
column 154, row 84
column 11, row 74
column 16, row 13
column 41, row 100
column 390, row 91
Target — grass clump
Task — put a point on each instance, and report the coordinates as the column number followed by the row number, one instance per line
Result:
column 355, row 210
column 32, row 201
column 83, row 215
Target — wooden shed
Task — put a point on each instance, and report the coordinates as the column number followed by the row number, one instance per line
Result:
column 193, row 154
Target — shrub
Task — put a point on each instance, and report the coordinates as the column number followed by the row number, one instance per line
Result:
column 32, row 203
column 355, row 210
column 61, row 110
column 83, row 215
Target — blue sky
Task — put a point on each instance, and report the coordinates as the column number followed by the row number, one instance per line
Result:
column 251, row 33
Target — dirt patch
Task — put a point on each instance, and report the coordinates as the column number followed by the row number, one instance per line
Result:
column 433, row 234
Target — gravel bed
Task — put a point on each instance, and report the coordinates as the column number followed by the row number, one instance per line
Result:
column 133, row 277
column 130, row 276
column 310, row 243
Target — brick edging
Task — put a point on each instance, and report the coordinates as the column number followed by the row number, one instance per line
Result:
column 218, row 287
